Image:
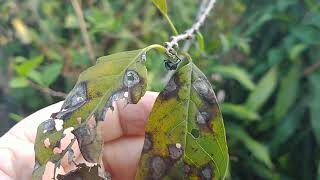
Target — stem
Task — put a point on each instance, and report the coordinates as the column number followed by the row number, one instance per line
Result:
column 83, row 29
column 309, row 70
column 47, row 90
column 188, row 34
column 171, row 24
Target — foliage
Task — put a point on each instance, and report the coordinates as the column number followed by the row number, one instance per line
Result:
column 274, row 42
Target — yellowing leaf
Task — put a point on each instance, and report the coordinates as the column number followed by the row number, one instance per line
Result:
column 118, row 76
column 185, row 136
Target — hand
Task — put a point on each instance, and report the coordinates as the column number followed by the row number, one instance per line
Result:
column 123, row 135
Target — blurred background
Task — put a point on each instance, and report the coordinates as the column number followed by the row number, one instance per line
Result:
column 262, row 57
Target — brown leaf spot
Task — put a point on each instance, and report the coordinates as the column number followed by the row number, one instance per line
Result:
column 187, row 170
column 79, row 119
column 48, row 125
column 131, row 79
column 171, row 89
column 206, row 173
column 147, row 145
column 203, row 119
column 204, row 89
column 158, row 167
column 174, row 152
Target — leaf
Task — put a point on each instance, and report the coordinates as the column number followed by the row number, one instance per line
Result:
column 82, row 172
column 185, row 136
column 236, row 73
column 161, row 5
column 288, row 91
column 263, row 90
column 239, row 111
column 118, row 76
column 200, row 41
column 259, row 150
column 18, row 82
column 51, row 73
column 314, row 87
column 27, row 66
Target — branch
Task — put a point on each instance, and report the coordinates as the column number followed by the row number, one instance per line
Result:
column 174, row 40
column 83, row 29
column 47, row 90
column 309, row 70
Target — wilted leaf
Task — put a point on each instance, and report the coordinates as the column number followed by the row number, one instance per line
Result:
column 314, row 86
column 239, row 111
column 121, row 75
column 161, row 5
column 236, row 73
column 185, row 136
column 263, row 90
column 258, row 150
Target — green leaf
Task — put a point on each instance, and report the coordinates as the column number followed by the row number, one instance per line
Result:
column 288, row 92
column 239, row 111
column 236, row 73
column 258, row 150
column 19, row 82
column 263, row 90
column 27, row 66
column 15, row 117
column 314, row 87
column 51, row 73
column 200, row 40
column 185, row 135
column 36, row 77
column 118, row 76
column 287, row 128
column 161, row 5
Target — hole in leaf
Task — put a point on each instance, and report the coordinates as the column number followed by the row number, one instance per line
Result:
column 195, row 133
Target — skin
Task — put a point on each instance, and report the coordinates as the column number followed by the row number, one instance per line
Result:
column 123, row 133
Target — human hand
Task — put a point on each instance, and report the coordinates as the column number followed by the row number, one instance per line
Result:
column 123, row 135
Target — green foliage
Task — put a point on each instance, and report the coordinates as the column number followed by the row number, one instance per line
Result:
column 273, row 41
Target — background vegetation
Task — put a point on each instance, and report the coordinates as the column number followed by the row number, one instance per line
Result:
column 262, row 57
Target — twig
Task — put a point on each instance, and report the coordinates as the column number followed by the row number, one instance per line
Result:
column 47, row 90
column 188, row 34
column 309, row 70
column 83, row 29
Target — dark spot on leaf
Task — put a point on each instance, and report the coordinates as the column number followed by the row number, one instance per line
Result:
column 76, row 98
column 158, row 167
column 171, row 89
column 83, row 172
column 147, row 145
column 48, row 125
column 131, row 78
column 175, row 153
column 36, row 165
column 195, row 133
column 206, row 173
column 203, row 119
column 204, row 89
column 187, row 170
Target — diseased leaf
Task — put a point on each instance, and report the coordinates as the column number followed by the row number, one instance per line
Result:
column 236, row 73
column 314, row 86
column 82, row 172
column 185, row 136
column 263, row 90
column 239, row 111
column 118, row 76
column 161, row 5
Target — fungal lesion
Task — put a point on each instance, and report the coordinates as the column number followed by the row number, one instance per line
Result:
column 205, row 91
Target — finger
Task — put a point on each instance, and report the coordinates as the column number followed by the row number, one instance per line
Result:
column 128, row 120
column 121, row 157
column 27, row 128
